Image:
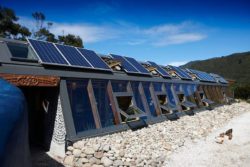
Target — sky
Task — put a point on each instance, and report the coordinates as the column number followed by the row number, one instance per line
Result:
column 167, row 32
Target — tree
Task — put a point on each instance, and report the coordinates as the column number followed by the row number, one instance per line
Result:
column 8, row 26
column 40, row 18
column 71, row 39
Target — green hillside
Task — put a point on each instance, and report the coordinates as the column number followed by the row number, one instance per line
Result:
column 235, row 66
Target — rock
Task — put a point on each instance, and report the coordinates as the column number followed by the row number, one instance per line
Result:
column 84, row 160
column 83, row 155
column 106, row 148
column 118, row 163
column 70, row 148
column 167, row 146
column 94, row 160
column 68, row 153
column 89, row 156
column 87, row 165
column 122, row 153
column 89, row 151
column 98, row 155
column 69, row 160
column 77, row 152
column 106, row 161
column 97, row 165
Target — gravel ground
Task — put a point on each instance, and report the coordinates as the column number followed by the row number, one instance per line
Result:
column 183, row 142
column 207, row 152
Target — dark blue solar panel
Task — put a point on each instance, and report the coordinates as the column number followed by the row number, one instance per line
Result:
column 125, row 64
column 47, row 52
column 160, row 69
column 203, row 76
column 183, row 74
column 219, row 78
column 137, row 65
column 73, row 56
column 94, row 59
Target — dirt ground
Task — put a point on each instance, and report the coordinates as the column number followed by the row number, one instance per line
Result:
column 206, row 153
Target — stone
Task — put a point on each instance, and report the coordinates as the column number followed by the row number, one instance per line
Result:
column 94, row 160
column 106, row 161
column 98, row 155
column 84, row 160
column 89, row 151
column 118, row 163
column 69, row 160
column 89, row 156
column 87, row 165
column 122, row 153
column 83, row 155
column 95, row 165
column 68, row 153
column 70, row 148
column 77, row 152
column 106, row 148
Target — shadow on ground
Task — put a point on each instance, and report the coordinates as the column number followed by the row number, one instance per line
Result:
column 40, row 158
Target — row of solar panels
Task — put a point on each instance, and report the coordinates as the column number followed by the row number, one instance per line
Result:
column 63, row 55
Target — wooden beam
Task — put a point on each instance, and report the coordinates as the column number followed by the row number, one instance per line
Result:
column 113, row 104
column 144, row 99
column 31, row 80
column 93, row 105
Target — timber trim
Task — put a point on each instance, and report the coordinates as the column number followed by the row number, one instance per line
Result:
column 31, row 80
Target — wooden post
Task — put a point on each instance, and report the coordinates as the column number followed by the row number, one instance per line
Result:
column 93, row 105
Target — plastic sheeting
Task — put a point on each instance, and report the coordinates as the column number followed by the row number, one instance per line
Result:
column 14, row 146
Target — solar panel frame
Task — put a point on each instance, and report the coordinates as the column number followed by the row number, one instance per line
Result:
column 98, row 57
column 203, row 76
column 31, row 44
column 160, row 70
column 127, row 67
column 219, row 78
column 137, row 65
column 63, row 56
column 60, row 49
column 182, row 74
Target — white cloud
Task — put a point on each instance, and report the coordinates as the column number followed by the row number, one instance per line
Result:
column 179, row 39
column 130, row 34
column 178, row 63
column 89, row 33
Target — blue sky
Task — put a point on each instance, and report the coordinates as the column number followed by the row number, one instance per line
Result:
column 167, row 32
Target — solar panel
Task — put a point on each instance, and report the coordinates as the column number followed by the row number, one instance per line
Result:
column 219, row 78
column 137, row 65
column 129, row 68
column 94, row 59
column 161, row 71
column 203, row 76
column 182, row 74
column 47, row 52
column 73, row 56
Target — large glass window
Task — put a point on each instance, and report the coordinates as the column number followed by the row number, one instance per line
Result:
column 146, row 86
column 157, row 86
column 177, row 87
column 103, row 103
column 80, row 105
column 170, row 94
column 119, row 86
column 137, row 95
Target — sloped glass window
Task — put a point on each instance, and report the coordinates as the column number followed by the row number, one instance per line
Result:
column 170, row 94
column 80, row 105
column 103, row 104
column 137, row 95
column 177, row 87
column 21, row 51
column 146, row 86
column 157, row 86
column 119, row 86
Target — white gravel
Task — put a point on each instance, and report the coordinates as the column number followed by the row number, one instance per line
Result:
column 186, row 142
column 207, row 152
